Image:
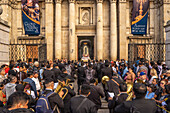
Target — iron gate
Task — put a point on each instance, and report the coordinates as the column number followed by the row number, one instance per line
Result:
column 25, row 50
column 148, row 51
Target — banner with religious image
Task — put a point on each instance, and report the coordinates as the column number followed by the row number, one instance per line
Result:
column 30, row 16
column 140, row 16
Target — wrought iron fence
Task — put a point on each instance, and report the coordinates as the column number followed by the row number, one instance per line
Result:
column 148, row 51
column 35, row 50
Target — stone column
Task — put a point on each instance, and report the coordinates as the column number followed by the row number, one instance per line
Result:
column 49, row 13
column 113, row 30
column 99, row 29
column 151, row 18
column 58, row 29
column 166, row 14
column 72, row 38
column 167, row 30
column 122, row 30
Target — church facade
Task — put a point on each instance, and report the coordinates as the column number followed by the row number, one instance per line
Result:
column 99, row 29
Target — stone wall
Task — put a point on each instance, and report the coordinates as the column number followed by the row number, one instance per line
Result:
column 167, row 30
column 4, row 42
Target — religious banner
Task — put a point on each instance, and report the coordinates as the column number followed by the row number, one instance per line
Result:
column 140, row 16
column 30, row 16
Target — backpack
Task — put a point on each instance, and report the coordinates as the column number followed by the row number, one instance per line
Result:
column 43, row 105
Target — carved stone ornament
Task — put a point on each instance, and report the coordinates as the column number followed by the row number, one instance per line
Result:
column 72, row 1
column 85, row 18
column 112, row 1
column 58, row 1
column 99, row 1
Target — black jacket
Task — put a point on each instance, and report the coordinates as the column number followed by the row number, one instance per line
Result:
column 81, row 74
column 69, row 94
column 107, row 71
column 112, row 86
column 57, row 73
column 55, row 99
column 138, row 105
column 117, row 100
column 87, row 107
column 21, row 110
column 61, row 66
column 95, row 94
column 48, row 74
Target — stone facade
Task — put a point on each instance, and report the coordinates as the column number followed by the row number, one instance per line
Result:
column 167, row 30
column 4, row 42
column 64, row 22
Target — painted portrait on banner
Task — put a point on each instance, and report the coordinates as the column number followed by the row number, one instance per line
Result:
column 140, row 16
column 30, row 16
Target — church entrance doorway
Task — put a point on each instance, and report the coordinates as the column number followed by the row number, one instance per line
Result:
column 85, row 47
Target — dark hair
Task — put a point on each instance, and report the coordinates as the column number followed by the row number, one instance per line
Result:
column 92, row 80
column 152, row 63
column 11, row 66
column 29, row 73
column 153, row 87
column 85, row 89
column 89, row 65
column 48, row 80
column 159, row 62
column 82, row 63
column 167, row 88
column 19, row 87
column 123, row 87
column 11, row 78
column 139, row 90
column 17, row 97
column 157, row 80
column 63, row 69
column 48, row 66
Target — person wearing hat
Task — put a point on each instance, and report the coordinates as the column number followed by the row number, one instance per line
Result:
column 142, row 78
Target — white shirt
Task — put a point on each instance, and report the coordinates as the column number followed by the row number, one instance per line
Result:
column 37, row 83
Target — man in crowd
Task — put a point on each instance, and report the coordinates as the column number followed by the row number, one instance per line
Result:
column 57, row 72
column 55, row 100
column 21, row 74
column 81, row 75
column 96, row 93
column 31, row 82
column 90, row 73
column 18, row 103
column 139, row 104
column 68, row 94
column 117, row 100
column 81, row 104
column 10, row 87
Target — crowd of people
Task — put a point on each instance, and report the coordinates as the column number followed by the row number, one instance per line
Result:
column 33, row 87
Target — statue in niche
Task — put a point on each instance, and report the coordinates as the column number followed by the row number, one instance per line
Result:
column 85, row 18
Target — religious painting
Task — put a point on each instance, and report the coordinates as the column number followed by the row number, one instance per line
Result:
column 30, row 16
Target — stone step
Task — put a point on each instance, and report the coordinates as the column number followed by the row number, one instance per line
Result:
column 103, row 100
column 103, row 111
column 104, row 106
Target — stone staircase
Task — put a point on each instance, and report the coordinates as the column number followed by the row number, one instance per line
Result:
column 104, row 107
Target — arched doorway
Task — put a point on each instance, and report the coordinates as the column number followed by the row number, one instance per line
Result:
column 85, row 46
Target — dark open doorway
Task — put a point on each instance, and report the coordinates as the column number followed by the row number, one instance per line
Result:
column 85, row 46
